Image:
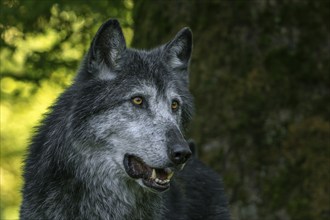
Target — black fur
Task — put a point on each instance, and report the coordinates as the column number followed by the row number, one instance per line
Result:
column 196, row 193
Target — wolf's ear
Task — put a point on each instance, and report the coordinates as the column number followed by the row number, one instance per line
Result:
column 178, row 51
column 107, row 47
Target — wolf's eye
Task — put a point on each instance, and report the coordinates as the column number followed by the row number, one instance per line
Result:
column 137, row 100
column 175, row 105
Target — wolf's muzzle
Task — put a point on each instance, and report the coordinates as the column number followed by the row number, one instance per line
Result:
column 177, row 148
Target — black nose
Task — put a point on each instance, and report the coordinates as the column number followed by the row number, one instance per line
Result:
column 179, row 153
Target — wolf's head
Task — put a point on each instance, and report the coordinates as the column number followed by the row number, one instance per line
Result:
column 133, row 104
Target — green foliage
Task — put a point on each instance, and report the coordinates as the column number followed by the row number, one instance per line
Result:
column 42, row 43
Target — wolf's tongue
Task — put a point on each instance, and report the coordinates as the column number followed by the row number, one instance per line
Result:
column 136, row 168
column 161, row 174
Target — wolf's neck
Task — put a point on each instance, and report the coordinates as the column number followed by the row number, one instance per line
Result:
column 122, row 200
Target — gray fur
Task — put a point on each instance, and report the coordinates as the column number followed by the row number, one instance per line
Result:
column 74, row 168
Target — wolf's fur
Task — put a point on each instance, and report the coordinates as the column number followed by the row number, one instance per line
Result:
column 74, row 168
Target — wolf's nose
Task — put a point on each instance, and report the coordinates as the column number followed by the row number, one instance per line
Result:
column 179, row 154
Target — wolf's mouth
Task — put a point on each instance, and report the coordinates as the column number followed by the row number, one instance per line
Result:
column 155, row 178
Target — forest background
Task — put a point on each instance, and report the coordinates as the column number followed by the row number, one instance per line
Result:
column 259, row 74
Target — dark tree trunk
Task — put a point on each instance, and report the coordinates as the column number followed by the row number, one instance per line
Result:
column 259, row 75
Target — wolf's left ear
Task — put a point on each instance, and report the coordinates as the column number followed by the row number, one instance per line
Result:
column 107, row 47
column 178, row 51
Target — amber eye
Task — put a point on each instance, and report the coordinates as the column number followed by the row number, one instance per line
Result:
column 137, row 100
column 175, row 105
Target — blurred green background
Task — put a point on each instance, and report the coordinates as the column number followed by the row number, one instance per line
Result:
column 260, row 76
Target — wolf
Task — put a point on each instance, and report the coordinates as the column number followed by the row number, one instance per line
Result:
column 112, row 146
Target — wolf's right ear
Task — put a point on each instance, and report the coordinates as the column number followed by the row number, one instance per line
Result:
column 178, row 51
column 106, row 48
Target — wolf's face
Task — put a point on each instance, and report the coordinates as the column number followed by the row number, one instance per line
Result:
column 133, row 104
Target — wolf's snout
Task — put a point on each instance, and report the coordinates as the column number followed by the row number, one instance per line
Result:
column 178, row 149
column 179, row 153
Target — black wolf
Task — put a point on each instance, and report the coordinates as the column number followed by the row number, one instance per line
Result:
column 112, row 145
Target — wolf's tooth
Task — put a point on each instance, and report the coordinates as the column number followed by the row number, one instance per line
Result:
column 153, row 175
column 170, row 175
column 182, row 166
